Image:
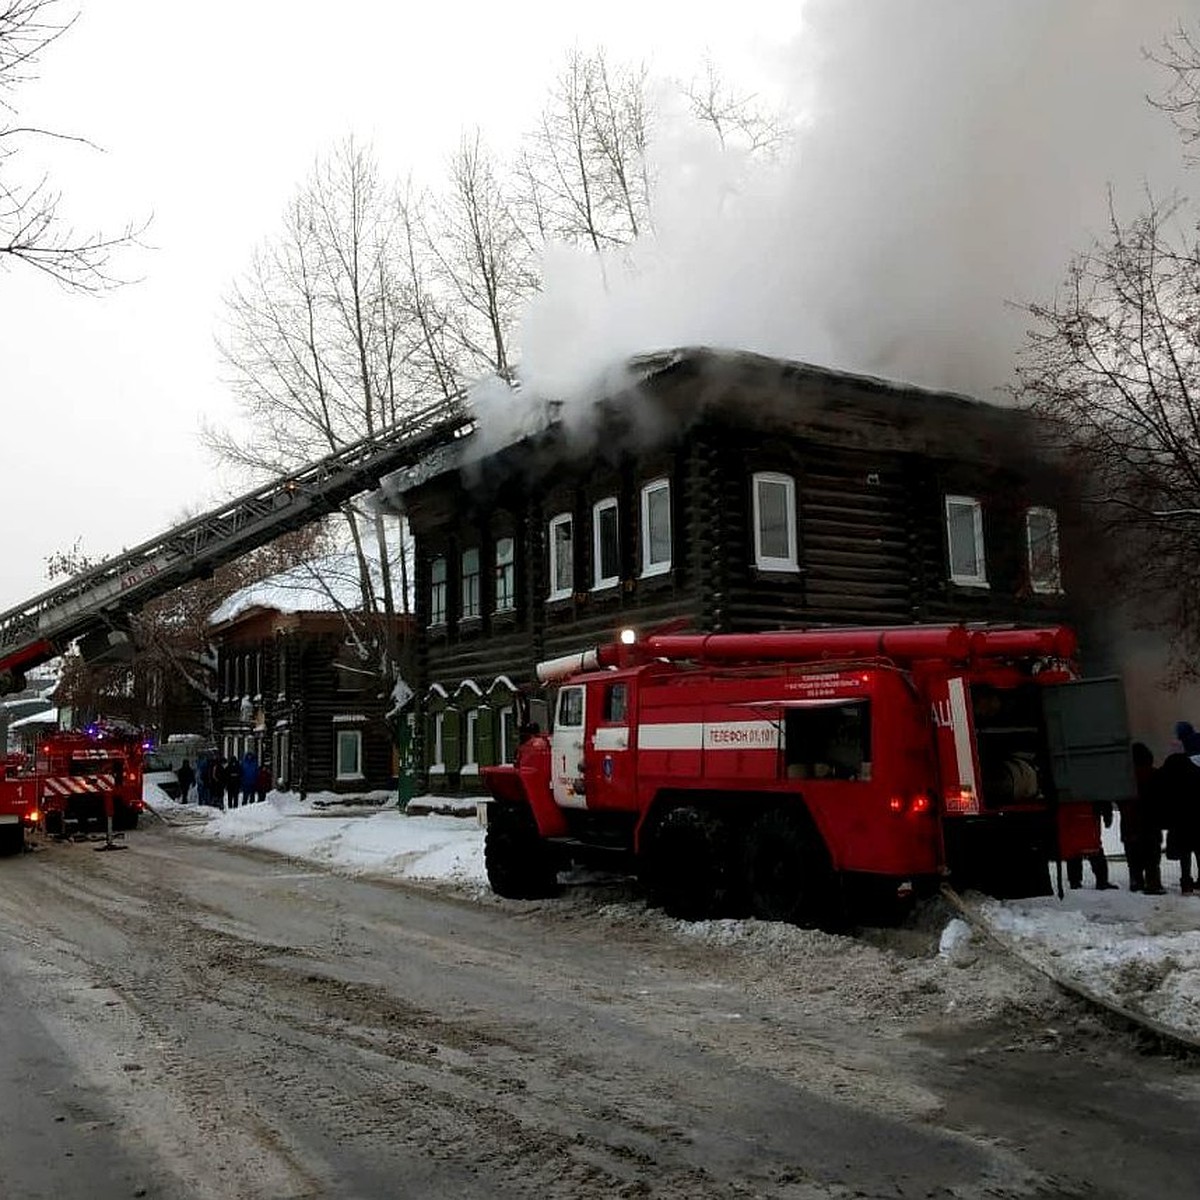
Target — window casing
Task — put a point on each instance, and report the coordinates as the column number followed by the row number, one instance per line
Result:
column 437, row 764
column 656, row 527
column 1041, row 541
column 561, row 541
column 437, row 592
column 470, row 764
column 472, row 604
column 349, row 754
column 964, row 541
column 506, row 723
column 775, row 522
column 606, row 543
column 506, row 575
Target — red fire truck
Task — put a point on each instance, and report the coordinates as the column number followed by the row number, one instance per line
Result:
column 80, row 774
column 18, row 803
column 788, row 774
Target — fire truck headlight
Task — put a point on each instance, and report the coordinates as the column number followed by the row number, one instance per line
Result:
column 628, row 637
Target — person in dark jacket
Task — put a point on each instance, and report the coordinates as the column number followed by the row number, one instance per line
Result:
column 216, row 782
column 1179, row 785
column 186, row 777
column 203, row 777
column 1142, row 827
column 233, row 781
column 249, row 776
column 262, row 785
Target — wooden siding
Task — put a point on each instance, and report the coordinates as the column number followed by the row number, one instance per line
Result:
column 871, row 467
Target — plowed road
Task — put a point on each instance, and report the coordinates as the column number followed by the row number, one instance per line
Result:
column 184, row 1020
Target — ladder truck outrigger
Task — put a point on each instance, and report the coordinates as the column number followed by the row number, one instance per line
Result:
column 792, row 775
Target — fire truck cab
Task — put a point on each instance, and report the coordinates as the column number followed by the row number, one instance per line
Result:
column 85, row 775
column 783, row 774
column 18, row 803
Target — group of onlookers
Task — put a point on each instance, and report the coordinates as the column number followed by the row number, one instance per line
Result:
column 1167, row 802
column 225, row 782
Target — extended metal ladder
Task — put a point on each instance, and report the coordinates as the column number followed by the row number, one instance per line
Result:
column 97, row 599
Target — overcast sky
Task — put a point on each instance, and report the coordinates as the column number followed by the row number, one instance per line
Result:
column 951, row 157
column 210, row 116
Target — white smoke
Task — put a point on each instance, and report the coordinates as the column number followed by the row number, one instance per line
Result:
column 953, row 155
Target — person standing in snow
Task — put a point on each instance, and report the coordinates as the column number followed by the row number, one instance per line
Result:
column 249, row 776
column 1098, row 860
column 1179, row 786
column 203, row 766
column 1141, row 825
column 262, row 784
column 233, row 781
column 186, row 777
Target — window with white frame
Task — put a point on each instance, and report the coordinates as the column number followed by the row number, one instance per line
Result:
column 1041, row 539
column 282, row 756
column 606, row 543
column 775, row 522
column 437, row 764
column 506, row 575
column 470, row 765
column 562, row 556
column 471, row 602
column 656, row 527
column 964, row 540
column 506, row 721
column 437, row 592
column 349, row 754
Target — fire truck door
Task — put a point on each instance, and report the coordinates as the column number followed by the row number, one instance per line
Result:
column 610, row 770
column 1087, row 732
column 566, row 748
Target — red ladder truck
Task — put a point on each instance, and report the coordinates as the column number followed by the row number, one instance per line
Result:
column 86, row 776
column 18, row 803
column 787, row 774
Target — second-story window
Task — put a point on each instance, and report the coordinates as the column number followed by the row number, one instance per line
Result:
column 606, row 544
column 471, row 601
column 506, row 575
column 964, row 539
column 1041, row 539
column 437, row 592
column 774, row 522
column 562, row 556
column 656, row 527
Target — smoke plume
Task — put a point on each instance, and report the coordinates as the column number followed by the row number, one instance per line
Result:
column 951, row 156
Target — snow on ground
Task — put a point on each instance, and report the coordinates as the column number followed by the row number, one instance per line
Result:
column 1140, row 952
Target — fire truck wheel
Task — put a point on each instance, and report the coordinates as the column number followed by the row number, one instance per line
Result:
column 53, row 822
column 689, row 872
column 124, row 819
column 519, row 864
column 12, row 839
column 787, row 870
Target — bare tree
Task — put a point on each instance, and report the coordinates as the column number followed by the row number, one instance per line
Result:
column 583, row 168
column 483, row 259
column 172, row 661
column 33, row 227
column 737, row 118
column 1179, row 57
column 1113, row 366
column 321, row 336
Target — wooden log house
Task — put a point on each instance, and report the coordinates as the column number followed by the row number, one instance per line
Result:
column 732, row 491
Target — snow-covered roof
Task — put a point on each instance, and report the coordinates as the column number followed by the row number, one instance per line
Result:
column 49, row 717
column 329, row 584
